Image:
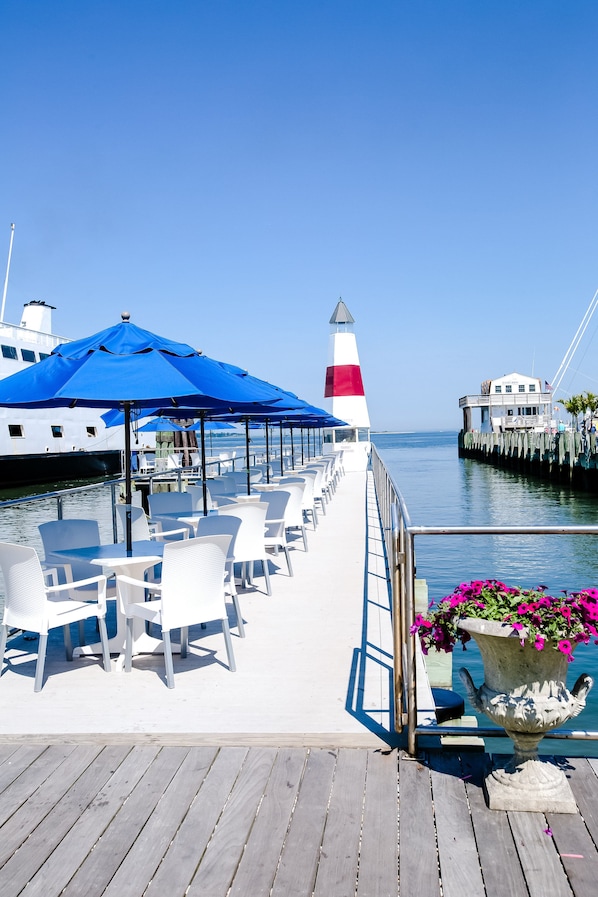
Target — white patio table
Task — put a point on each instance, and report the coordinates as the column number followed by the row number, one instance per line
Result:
column 114, row 559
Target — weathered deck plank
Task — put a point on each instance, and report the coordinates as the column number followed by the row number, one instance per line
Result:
column 30, row 813
column 221, row 858
column 499, row 859
column 142, row 860
column 41, row 844
column 296, row 873
column 457, row 850
column 131, row 808
column 541, row 864
column 79, row 841
column 379, row 858
column 187, row 848
column 257, row 868
column 576, row 851
column 337, row 869
column 418, row 857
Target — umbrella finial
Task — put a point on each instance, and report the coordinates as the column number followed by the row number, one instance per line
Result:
column 126, row 315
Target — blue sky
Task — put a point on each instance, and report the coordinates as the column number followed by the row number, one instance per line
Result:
column 225, row 170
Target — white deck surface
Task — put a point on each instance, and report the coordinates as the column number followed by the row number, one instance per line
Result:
column 315, row 667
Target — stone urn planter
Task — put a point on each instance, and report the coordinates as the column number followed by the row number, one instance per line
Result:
column 525, row 692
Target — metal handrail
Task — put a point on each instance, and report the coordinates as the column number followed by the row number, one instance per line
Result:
column 399, row 540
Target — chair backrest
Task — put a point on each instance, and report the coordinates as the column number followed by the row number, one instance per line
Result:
column 249, row 544
column 308, row 493
column 193, row 581
column 60, row 535
column 319, row 472
column 196, row 493
column 25, row 595
column 222, row 485
column 140, row 530
column 169, row 502
column 220, row 525
column 277, row 501
column 294, row 510
column 174, row 461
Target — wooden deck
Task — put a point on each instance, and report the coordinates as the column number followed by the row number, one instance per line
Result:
column 207, row 821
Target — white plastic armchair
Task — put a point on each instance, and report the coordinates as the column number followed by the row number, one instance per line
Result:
column 276, row 534
column 32, row 605
column 250, row 545
column 225, row 525
column 169, row 503
column 294, row 511
column 57, row 535
column 191, row 592
column 142, row 530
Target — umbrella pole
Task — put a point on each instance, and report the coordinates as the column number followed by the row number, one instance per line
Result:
column 267, row 454
column 128, row 497
column 281, row 447
column 292, row 448
column 247, row 455
column 204, row 486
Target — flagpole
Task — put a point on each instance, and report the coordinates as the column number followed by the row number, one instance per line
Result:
column 12, row 236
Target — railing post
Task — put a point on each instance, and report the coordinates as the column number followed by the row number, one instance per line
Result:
column 410, row 643
column 114, row 526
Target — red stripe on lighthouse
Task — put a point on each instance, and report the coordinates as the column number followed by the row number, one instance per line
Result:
column 343, row 380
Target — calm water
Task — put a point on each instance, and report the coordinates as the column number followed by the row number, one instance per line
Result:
column 442, row 489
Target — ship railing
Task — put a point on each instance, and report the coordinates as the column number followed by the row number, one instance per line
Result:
column 400, row 536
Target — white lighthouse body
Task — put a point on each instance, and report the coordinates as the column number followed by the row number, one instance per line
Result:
column 345, row 394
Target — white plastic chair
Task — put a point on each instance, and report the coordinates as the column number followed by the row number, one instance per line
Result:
column 59, row 535
column 276, row 534
column 250, row 545
column 33, row 606
column 320, row 495
column 308, row 505
column 191, row 592
column 141, row 529
column 169, row 503
column 196, row 493
column 294, row 511
column 225, row 525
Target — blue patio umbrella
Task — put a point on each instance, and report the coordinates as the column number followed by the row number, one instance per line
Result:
column 160, row 425
column 128, row 368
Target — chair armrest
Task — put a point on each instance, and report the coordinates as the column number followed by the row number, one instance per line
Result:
column 132, row 581
column 51, row 573
column 101, row 581
column 165, row 534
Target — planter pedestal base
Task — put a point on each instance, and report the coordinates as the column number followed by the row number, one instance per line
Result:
column 534, row 785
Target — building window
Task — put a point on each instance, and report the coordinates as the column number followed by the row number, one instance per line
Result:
column 521, row 387
column 532, row 387
column 9, row 352
column 15, row 430
column 57, row 431
column 508, row 389
column 498, row 389
column 92, row 431
column 509, row 412
column 28, row 355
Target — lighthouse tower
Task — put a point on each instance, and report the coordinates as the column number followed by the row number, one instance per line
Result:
column 345, row 393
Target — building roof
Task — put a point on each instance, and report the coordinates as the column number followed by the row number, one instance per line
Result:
column 341, row 314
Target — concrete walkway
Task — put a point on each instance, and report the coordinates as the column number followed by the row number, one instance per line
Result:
column 315, row 667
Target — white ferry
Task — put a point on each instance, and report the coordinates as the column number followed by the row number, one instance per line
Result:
column 49, row 444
